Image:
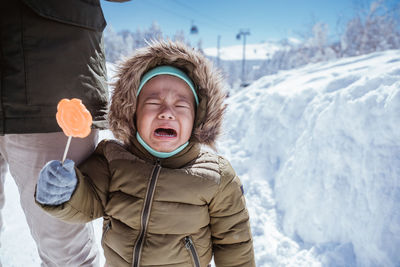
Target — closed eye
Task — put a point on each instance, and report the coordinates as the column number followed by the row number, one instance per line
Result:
column 152, row 103
column 182, row 104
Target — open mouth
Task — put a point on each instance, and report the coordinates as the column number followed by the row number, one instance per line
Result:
column 165, row 132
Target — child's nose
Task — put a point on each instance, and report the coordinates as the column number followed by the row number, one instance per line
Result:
column 166, row 114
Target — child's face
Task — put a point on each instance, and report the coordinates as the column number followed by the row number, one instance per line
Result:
column 165, row 113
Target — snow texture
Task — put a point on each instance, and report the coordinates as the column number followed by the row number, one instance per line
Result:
column 321, row 144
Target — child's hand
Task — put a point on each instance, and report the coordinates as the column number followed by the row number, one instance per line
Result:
column 56, row 182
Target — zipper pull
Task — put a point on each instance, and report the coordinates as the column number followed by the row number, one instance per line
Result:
column 108, row 226
column 188, row 242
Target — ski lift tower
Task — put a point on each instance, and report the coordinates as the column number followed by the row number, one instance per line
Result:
column 218, row 50
column 238, row 36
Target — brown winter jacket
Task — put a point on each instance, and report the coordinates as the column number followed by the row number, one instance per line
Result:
column 178, row 211
column 158, row 209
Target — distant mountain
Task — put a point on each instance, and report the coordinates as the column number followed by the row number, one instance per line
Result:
column 261, row 51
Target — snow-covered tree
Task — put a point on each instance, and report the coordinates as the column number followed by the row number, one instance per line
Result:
column 154, row 32
column 377, row 30
column 114, row 44
column 123, row 43
column 200, row 46
column 179, row 36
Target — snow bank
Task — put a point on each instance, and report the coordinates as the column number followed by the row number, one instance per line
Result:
column 325, row 140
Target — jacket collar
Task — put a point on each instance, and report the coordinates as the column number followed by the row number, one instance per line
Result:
column 188, row 154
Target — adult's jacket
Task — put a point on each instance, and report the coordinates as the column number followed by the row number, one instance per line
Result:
column 49, row 50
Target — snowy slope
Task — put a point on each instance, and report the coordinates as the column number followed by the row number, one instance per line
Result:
column 322, row 145
column 318, row 151
column 253, row 51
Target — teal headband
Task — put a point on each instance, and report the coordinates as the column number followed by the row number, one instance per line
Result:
column 169, row 70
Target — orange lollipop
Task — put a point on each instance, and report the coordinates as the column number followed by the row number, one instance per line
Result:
column 74, row 119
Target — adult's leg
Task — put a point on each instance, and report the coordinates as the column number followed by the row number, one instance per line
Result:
column 3, row 172
column 59, row 243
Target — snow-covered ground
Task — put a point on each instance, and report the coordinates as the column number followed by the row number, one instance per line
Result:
column 318, row 151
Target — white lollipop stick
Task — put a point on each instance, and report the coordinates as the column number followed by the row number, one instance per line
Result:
column 66, row 149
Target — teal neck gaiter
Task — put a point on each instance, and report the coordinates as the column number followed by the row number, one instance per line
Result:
column 157, row 154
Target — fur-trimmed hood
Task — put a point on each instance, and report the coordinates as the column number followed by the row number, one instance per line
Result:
column 207, row 80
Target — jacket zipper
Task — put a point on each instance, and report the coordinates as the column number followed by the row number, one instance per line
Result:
column 144, row 219
column 192, row 249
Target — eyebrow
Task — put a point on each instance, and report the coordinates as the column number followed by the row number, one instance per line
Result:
column 183, row 98
column 157, row 96
column 153, row 95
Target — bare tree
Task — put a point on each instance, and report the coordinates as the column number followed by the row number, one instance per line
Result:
column 374, row 29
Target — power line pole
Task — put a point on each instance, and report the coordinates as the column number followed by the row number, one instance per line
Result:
column 218, row 49
column 238, row 36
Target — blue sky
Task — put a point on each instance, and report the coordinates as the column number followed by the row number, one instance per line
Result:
column 265, row 19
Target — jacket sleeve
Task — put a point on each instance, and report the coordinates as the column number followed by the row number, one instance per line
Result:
column 230, row 226
column 90, row 196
